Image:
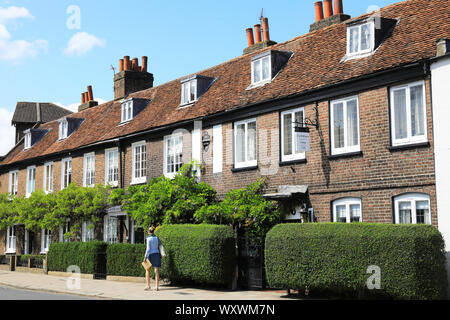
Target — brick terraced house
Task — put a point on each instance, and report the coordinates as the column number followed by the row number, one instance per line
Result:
column 373, row 91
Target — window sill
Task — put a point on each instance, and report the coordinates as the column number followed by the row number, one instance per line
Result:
column 138, row 182
column 235, row 170
column 186, row 105
column 345, row 155
column 291, row 162
column 409, row 146
column 259, row 84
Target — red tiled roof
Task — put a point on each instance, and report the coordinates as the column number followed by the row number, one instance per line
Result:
column 317, row 62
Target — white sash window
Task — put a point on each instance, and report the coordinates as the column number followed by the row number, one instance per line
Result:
column 11, row 240
column 173, row 155
column 347, row 210
column 112, row 167
column 31, row 180
column 46, row 239
column 48, row 177
column 245, row 144
column 89, row 170
column 139, row 163
column 13, row 182
column 288, row 135
column 66, row 173
column 412, row 208
column 344, row 122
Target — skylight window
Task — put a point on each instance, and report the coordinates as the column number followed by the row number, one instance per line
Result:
column 361, row 39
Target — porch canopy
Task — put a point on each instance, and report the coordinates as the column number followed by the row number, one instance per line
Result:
column 287, row 192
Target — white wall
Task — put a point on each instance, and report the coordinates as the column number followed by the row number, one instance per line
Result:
column 440, row 77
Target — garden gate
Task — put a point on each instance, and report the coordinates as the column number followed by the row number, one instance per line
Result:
column 251, row 271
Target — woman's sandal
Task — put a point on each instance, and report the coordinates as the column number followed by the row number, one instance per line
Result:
column 147, row 289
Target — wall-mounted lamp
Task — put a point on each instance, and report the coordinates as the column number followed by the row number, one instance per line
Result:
column 206, row 140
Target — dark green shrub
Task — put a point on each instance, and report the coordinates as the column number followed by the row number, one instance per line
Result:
column 85, row 255
column 335, row 258
column 125, row 259
column 24, row 258
column 202, row 254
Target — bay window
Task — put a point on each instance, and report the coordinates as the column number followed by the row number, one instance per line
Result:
column 408, row 114
column 412, row 208
column 347, row 210
column 288, row 136
column 344, row 123
column 245, row 144
column 173, row 154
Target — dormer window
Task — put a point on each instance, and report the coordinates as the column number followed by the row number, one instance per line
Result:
column 189, row 92
column 27, row 142
column 261, row 70
column 63, row 129
column 361, row 38
column 266, row 66
column 127, row 110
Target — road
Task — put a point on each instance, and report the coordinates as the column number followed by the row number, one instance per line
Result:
column 7, row 293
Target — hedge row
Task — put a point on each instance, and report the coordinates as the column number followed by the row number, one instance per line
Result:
column 334, row 258
column 88, row 256
column 124, row 259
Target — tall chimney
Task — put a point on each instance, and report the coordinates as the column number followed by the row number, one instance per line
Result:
column 258, row 33
column 338, row 7
column 319, row 10
column 83, row 100
column 120, row 65
column 328, row 8
column 266, row 33
column 90, row 93
column 250, row 38
column 144, row 64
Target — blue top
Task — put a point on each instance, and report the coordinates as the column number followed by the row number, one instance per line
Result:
column 152, row 245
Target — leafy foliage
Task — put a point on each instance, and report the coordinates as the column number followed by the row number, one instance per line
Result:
column 334, row 258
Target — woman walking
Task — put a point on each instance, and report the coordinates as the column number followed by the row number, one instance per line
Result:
column 154, row 256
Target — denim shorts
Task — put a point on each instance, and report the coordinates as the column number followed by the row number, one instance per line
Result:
column 155, row 260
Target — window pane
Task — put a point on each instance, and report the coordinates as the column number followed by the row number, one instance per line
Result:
column 338, row 121
column 193, row 90
column 405, row 213
column 298, row 120
column 352, row 123
column 400, row 114
column 341, row 215
column 257, row 71
column 422, row 212
column 365, row 37
column 355, row 213
column 240, row 143
column 417, row 112
column 266, row 68
column 354, row 40
column 186, row 92
column 251, row 140
column 287, row 134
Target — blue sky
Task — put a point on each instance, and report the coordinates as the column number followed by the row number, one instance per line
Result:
column 42, row 59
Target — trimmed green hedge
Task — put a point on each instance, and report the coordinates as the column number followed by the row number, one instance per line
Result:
column 82, row 254
column 334, row 258
column 125, row 259
column 202, row 254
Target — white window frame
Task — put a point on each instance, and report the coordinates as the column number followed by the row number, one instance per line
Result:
column 347, row 202
column 63, row 182
column 372, row 42
column 27, row 139
column 188, row 83
column 13, row 185
column 108, row 153
column 409, row 139
column 46, row 240
column 31, row 184
column 247, row 163
column 63, row 129
column 11, row 240
column 262, row 81
column 87, row 234
column 173, row 137
column 134, row 179
column 346, row 148
column 48, row 181
column 91, row 174
column 110, row 236
column 412, row 198
column 294, row 156
column 127, row 111
column 63, row 230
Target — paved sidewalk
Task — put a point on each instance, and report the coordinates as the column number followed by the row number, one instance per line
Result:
column 126, row 290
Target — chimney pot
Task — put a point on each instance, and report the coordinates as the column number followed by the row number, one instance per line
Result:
column 338, row 7
column 90, row 93
column 120, row 65
column 250, row 37
column 258, row 33
column 266, row 33
column 83, row 100
column 328, row 8
column 86, row 97
column 126, row 63
column 319, row 10
column 144, row 64
column 135, row 64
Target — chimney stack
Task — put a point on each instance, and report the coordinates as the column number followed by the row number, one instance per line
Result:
column 250, row 37
column 87, row 100
column 319, row 11
column 330, row 18
column 266, row 34
column 132, row 78
column 328, row 8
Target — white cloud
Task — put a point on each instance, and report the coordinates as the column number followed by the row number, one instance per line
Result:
column 74, row 106
column 17, row 50
column 83, row 42
column 7, row 131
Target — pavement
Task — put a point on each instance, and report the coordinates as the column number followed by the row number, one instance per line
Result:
column 114, row 290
